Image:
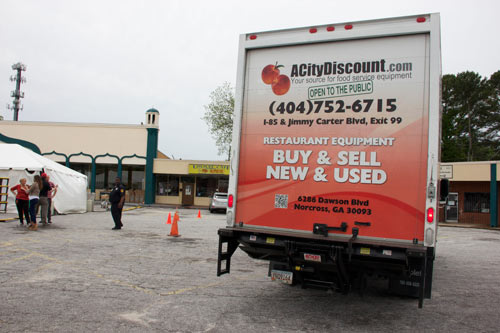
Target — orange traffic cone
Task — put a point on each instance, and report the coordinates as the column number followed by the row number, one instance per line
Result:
column 169, row 220
column 174, row 232
column 199, row 214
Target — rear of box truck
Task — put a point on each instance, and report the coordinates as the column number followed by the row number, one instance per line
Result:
column 335, row 152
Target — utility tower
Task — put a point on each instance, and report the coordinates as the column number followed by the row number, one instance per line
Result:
column 17, row 94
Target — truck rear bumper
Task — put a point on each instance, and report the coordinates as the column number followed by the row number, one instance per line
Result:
column 407, row 266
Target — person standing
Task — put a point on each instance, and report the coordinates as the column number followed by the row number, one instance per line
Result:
column 44, row 201
column 117, row 198
column 22, row 200
column 50, row 195
column 34, row 195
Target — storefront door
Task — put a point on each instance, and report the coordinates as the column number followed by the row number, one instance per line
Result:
column 187, row 194
column 451, row 208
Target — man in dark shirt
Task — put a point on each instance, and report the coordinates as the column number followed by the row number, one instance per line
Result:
column 44, row 202
column 117, row 198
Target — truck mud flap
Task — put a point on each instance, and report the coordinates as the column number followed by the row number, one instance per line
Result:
column 417, row 280
column 343, row 277
column 227, row 245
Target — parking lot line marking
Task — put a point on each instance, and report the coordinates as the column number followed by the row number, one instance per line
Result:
column 18, row 259
column 19, row 240
column 118, row 282
column 29, row 255
column 131, row 208
column 133, row 286
column 8, row 219
column 43, row 267
column 31, row 240
column 9, row 251
column 41, row 255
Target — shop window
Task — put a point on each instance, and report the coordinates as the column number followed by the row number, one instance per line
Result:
column 112, row 173
column 173, row 186
column 132, row 175
column 167, row 185
column 125, row 180
column 205, row 186
column 100, row 177
column 161, row 184
column 223, row 184
column 105, row 176
column 136, row 176
column 477, row 202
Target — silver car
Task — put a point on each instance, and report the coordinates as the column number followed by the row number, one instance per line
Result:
column 218, row 201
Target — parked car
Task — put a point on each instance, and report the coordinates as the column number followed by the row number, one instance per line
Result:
column 218, row 202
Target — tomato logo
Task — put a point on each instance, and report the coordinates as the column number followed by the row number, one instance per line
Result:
column 280, row 84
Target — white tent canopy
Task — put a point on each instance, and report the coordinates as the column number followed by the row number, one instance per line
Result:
column 17, row 162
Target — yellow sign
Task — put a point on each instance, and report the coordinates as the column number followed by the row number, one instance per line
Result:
column 365, row 250
column 270, row 240
column 209, row 169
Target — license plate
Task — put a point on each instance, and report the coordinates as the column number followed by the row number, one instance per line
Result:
column 312, row 257
column 283, row 276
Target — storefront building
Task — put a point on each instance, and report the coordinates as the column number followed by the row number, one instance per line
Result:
column 104, row 151
column 100, row 151
column 473, row 197
column 189, row 182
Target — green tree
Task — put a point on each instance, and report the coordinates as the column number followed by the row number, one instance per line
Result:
column 493, row 125
column 219, row 117
column 470, row 115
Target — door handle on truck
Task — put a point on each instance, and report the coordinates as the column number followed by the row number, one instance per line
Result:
column 365, row 224
column 322, row 229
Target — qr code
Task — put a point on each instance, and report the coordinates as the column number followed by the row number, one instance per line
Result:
column 281, row 201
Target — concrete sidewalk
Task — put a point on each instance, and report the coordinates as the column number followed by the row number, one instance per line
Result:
column 467, row 225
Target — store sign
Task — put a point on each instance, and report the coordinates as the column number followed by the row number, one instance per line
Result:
column 446, row 171
column 208, row 169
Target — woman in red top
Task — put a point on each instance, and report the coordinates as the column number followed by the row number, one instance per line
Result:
column 22, row 200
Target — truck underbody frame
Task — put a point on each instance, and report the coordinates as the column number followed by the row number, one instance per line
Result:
column 340, row 264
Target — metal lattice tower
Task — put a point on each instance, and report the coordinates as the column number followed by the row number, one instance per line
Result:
column 17, row 94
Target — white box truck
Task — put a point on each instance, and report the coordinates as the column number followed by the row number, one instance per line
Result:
column 335, row 154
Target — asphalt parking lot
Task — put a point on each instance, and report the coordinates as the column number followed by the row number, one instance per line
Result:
column 78, row 275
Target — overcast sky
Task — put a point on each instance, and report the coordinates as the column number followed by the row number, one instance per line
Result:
column 109, row 61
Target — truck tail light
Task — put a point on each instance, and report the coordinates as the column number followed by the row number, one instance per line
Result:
column 348, row 27
column 253, row 37
column 430, row 215
column 420, row 19
column 230, row 201
column 313, row 30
